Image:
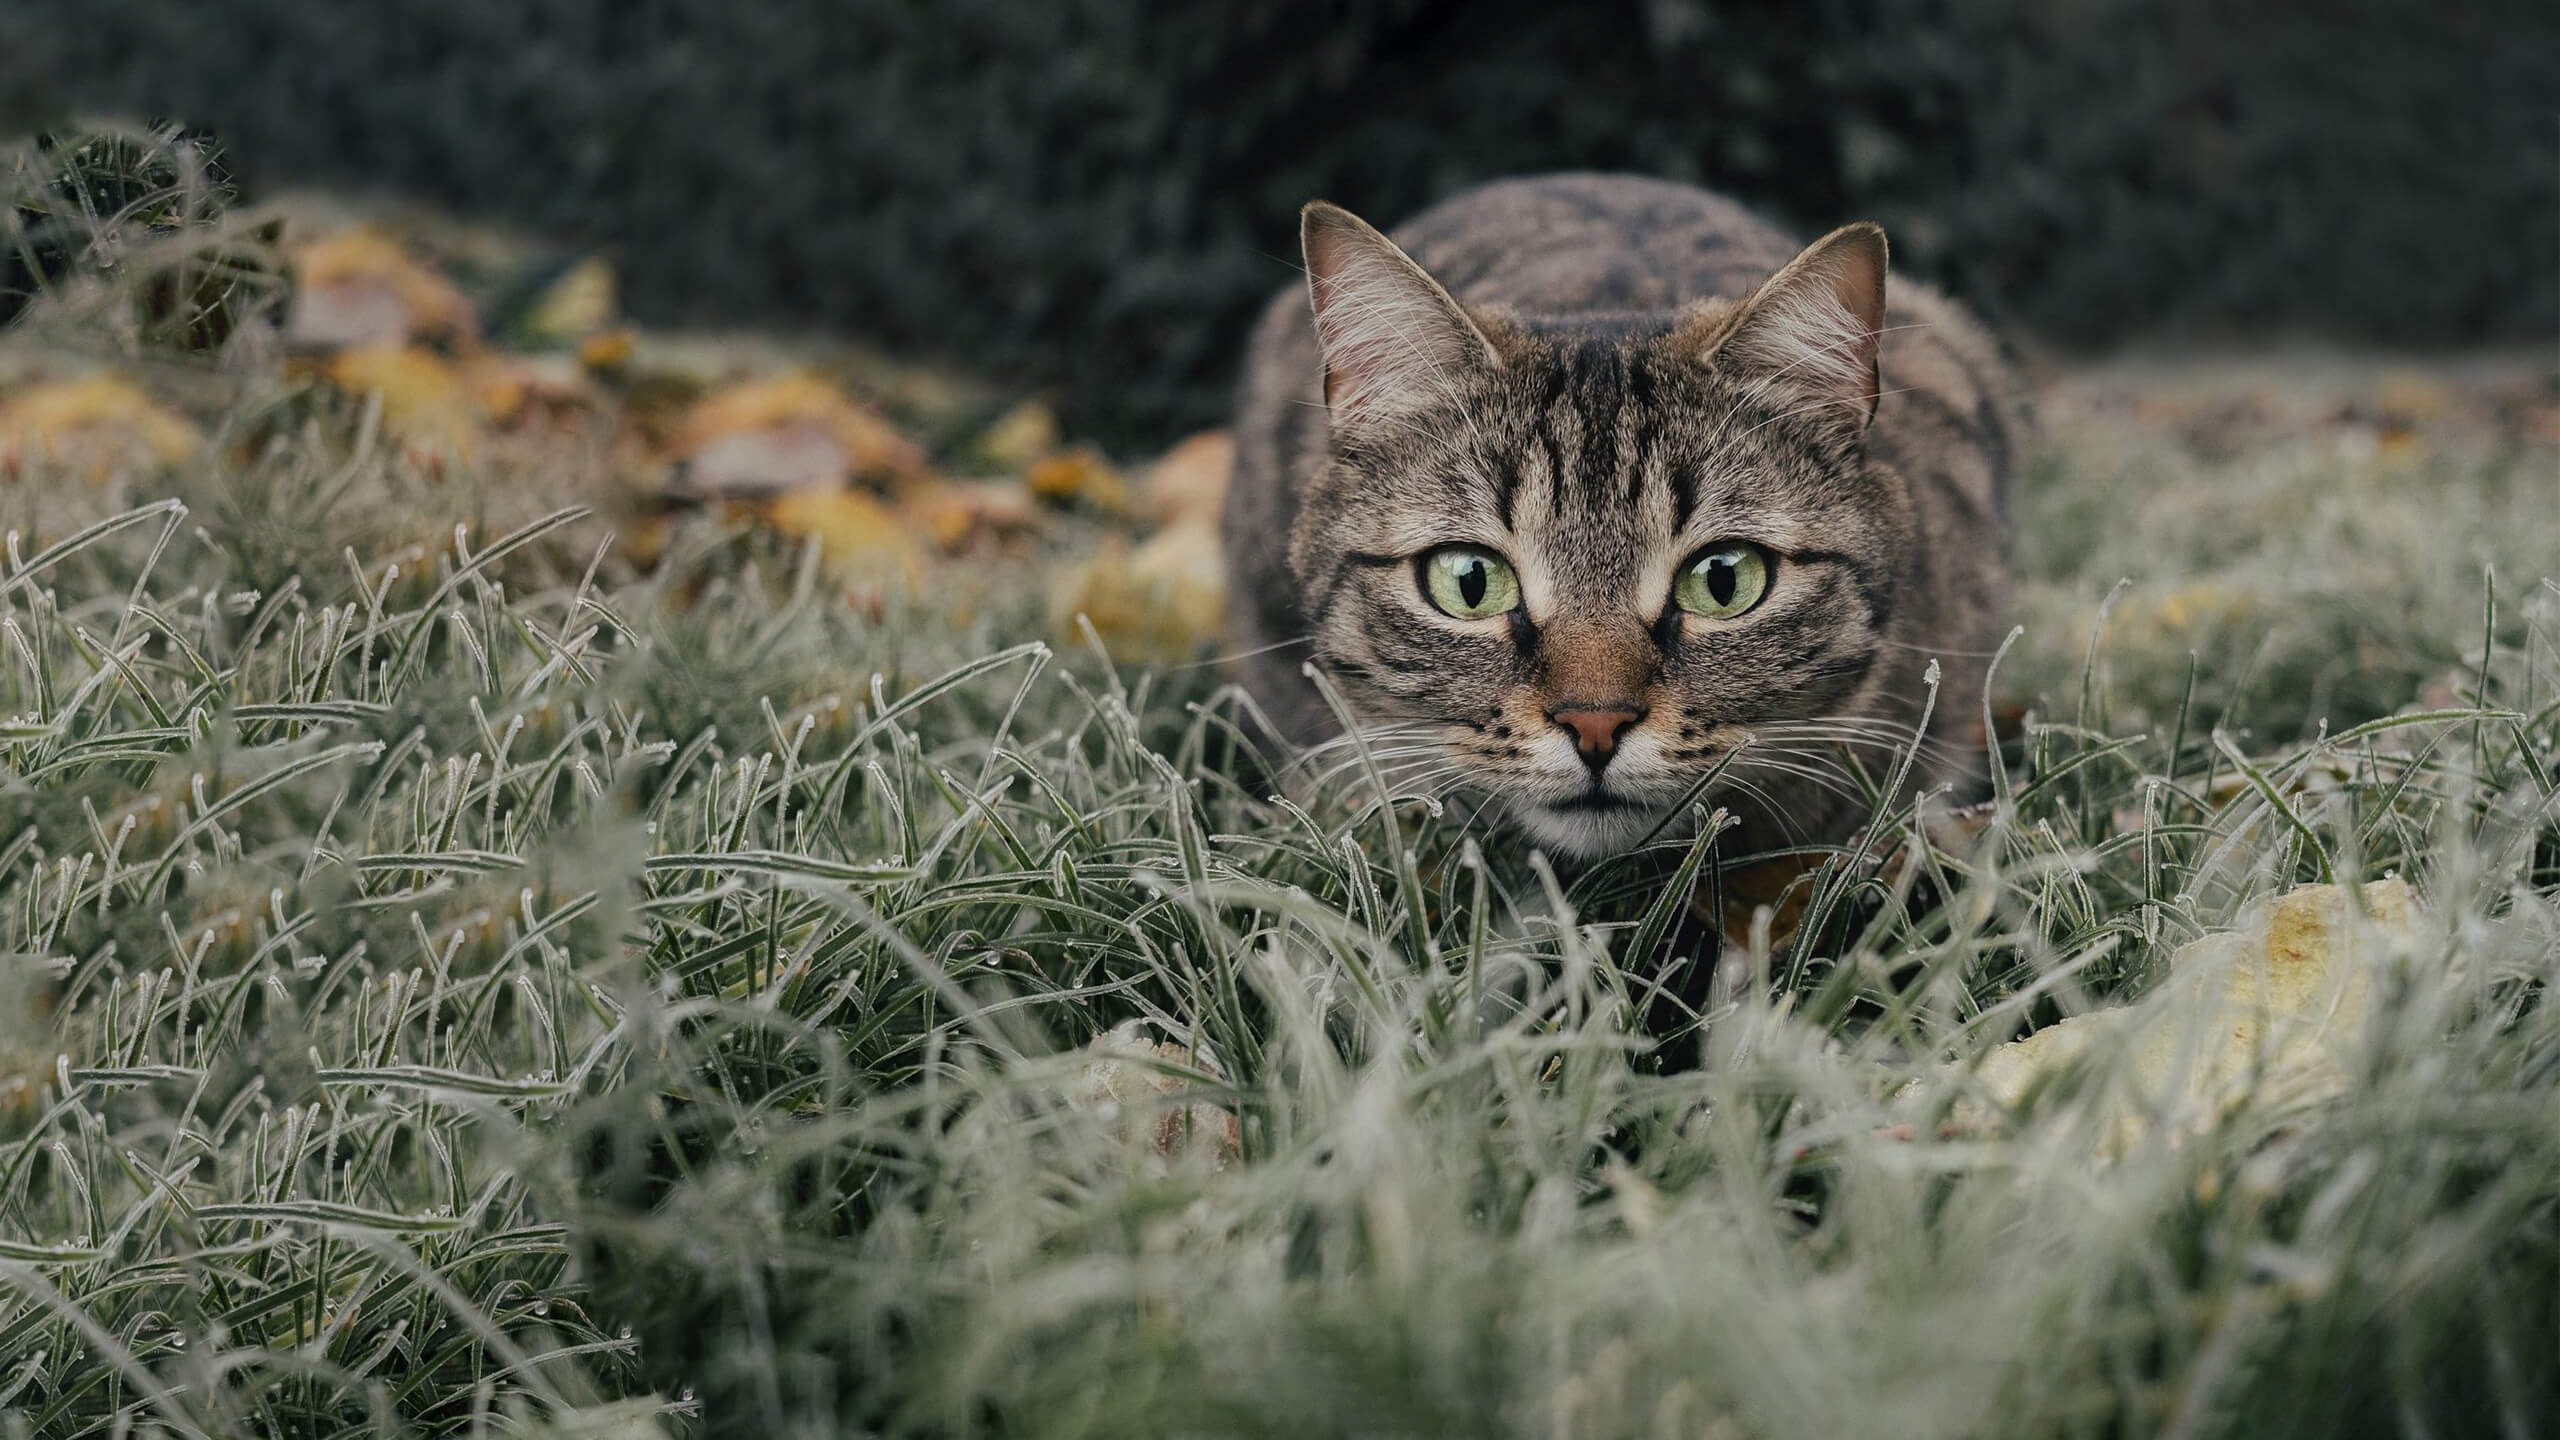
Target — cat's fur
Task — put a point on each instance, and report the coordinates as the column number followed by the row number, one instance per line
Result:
column 1617, row 382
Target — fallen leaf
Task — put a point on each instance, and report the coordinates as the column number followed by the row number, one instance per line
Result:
column 607, row 352
column 359, row 287
column 1079, row 476
column 2408, row 396
column 1158, row 602
column 864, row 543
column 513, row 390
column 577, row 305
column 1785, row 884
column 1189, row 481
column 426, row 403
column 1123, row 1077
column 788, row 432
column 960, row 515
column 1782, row 884
column 99, row 426
column 1019, row 437
column 2267, row 1008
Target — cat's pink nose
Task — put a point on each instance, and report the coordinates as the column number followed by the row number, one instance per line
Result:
column 1595, row 729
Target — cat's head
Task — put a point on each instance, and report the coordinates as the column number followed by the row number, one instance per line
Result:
column 1571, row 564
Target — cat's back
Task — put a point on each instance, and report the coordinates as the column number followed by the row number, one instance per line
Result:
column 1570, row 245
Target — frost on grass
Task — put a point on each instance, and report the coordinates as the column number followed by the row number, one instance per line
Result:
column 464, row 986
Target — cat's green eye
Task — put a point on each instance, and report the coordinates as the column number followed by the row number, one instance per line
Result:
column 1469, row 583
column 1723, row 582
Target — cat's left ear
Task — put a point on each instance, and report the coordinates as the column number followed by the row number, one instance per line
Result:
column 1812, row 327
column 1393, row 338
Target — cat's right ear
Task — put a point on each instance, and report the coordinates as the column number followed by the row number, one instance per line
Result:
column 1392, row 338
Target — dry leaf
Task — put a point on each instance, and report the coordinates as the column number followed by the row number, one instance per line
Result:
column 1121, row 1078
column 2267, row 1008
column 99, row 426
column 1159, row 602
column 426, row 403
column 788, row 432
column 1020, row 436
column 1785, row 883
column 360, row 288
column 863, row 542
column 608, row 352
column 1189, row 481
column 961, row 515
column 2408, row 396
column 513, row 390
column 1079, row 476
column 579, row 304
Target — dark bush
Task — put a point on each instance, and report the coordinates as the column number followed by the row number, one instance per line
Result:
column 1092, row 195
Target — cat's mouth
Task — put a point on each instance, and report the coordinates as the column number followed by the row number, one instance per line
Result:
column 1596, row 800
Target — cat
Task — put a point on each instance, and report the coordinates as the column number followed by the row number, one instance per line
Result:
column 1582, row 483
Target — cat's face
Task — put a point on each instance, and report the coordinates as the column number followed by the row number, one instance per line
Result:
column 1572, row 568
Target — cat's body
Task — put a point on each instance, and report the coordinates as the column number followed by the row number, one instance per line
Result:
column 1612, row 397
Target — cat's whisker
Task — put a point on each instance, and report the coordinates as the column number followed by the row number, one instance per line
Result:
column 1358, row 765
column 1813, row 776
column 1932, row 749
column 1867, row 730
column 1370, row 735
column 1231, row 656
column 1833, row 751
column 1349, row 776
column 1776, row 814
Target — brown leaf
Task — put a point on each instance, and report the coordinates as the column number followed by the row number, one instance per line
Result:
column 1783, row 883
column 1080, row 476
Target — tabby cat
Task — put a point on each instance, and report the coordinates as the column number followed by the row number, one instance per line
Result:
column 1583, row 482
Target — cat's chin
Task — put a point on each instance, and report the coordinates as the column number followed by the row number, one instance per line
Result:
column 1586, row 831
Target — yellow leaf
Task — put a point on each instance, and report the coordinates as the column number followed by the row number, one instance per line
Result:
column 578, row 304
column 100, row 425
column 1159, row 602
column 2265, row 1009
column 361, row 288
column 862, row 540
column 1079, row 475
column 1020, row 436
column 789, row 432
column 425, row 401
column 610, row 350
column 512, row 389
column 959, row 515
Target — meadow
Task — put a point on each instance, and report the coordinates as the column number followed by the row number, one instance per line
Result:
column 484, row 962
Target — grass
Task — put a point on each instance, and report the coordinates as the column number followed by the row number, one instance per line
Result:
column 460, row 985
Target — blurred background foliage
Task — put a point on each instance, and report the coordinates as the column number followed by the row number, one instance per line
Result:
column 1093, row 195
